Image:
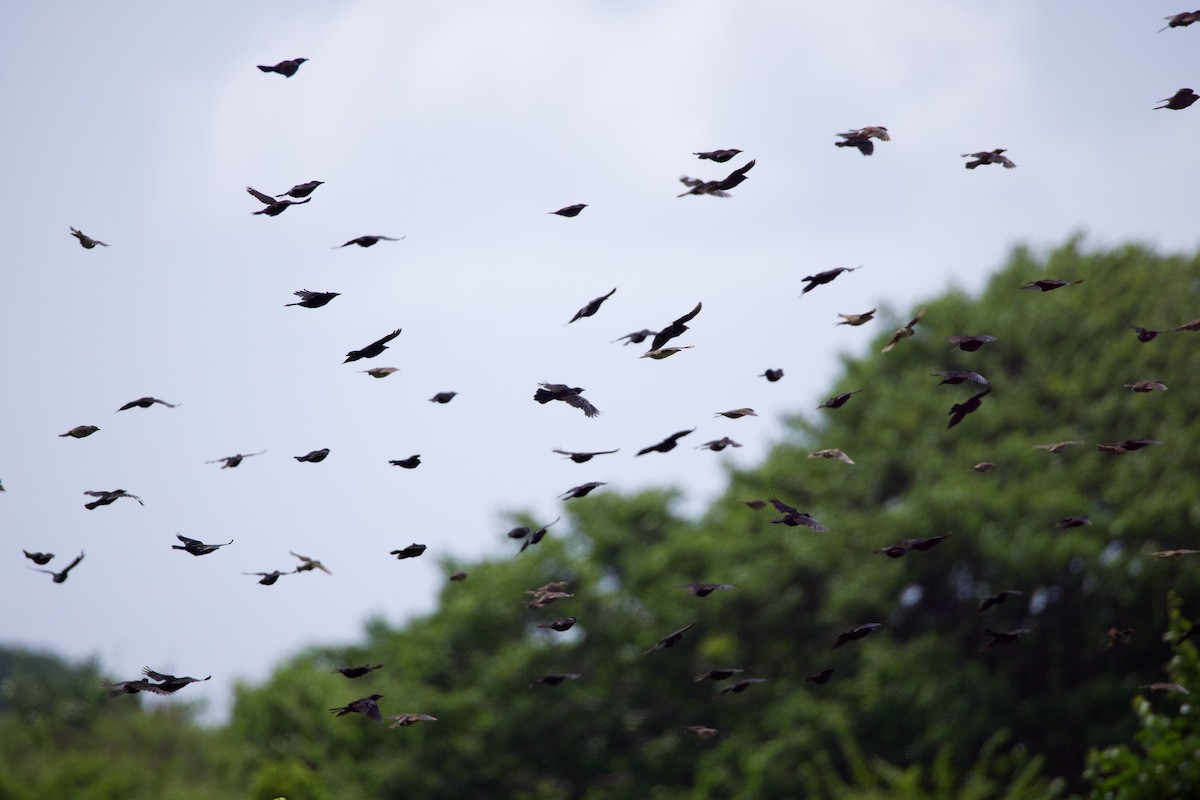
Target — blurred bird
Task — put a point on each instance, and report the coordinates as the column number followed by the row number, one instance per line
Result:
column 572, row 396
column 989, row 157
column 412, row 551
column 1145, row 334
column 309, row 564
column 312, row 299
column 583, row 458
column 41, row 559
column 1056, row 447
column 737, row 413
column 145, row 402
column 741, row 686
column 555, row 679
column 903, row 333
column 1147, row 386
column 719, row 156
column 373, row 349
column 561, row 624
column 701, row 731
column 570, row 211
column 80, row 431
column 984, row 466
column 543, row 599
column 356, row 672
column 592, row 307
column 671, row 639
column 861, row 138
column 368, row 241
column 60, row 577
column 772, row 375
column 86, row 241
column 108, row 498
column 820, row 678
column 536, row 537
column 666, row 445
column 268, row 578
column 583, row 490
column 1180, row 20
column 822, row 278
column 637, row 337
column 169, row 683
column 412, row 462
column 271, row 206
column 1179, row 101
column 230, row 462
column 301, row 189
column 365, row 705
column 791, row 517
column 285, row 68
column 839, row 400
column 458, row 576
column 1166, row 688
column 705, row 589
column 717, row 445
column 442, row 398
column 970, row 343
column 1118, row 636
column 404, row 720
column 380, row 372
column 314, row 456
column 717, row 674
column 716, row 188
column 1169, row 555
column 1003, row 637
column 197, row 547
column 1048, row 285
column 675, row 329
column 954, row 377
column 664, row 352
column 857, row 319
column 997, row 599
column 757, row 505
column 857, row 632
column 1126, row 446
column 959, row 411
column 1194, row 325
column 832, row 452
column 118, row 688
column 904, row 545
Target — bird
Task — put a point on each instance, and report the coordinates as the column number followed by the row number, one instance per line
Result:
column 705, row 589
column 637, row 337
column 583, row 490
column 412, row 551
column 412, row 462
column 570, row 211
column 230, row 462
column 792, row 518
column 857, row 632
column 1126, row 446
column 60, row 577
column 1166, row 688
column 170, row 683
column 959, row 411
column 741, row 686
column 716, row 188
column 356, row 672
column 666, row 445
column 544, row 599
column 861, row 138
column 583, row 458
column 118, row 688
column 314, row 456
column 671, row 639
column 822, row 278
column 820, row 678
column 772, row 375
column 443, row 397
column 312, row 299
column 1170, row 555
column 954, row 377
column 368, row 241
column 675, row 329
column 832, row 452
column 717, row 445
column 857, row 319
column 1179, row 101
column 268, row 578
column 592, row 307
column 273, row 207
column 970, row 343
column 572, row 396
column 108, row 498
column 404, row 720
column 1145, row 334
column 838, row 401
column 1194, row 325
column 1048, row 284
column 1180, row 20
column 301, row 189
column 904, row 545
column 458, row 576
column 366, row 706
column 664, row 352
column 536, row 536
column 554, row 679
column 80, row 431
column 309, row 564
column 380, row 372
column 285, row 68
column 145, row 402
column 41, row 559
column 737, row 413
column 997, row 599
column 903, row 333
column 561, row 624
column 197, row 547
column 989, row 157
column 373, row 349
column 86, row 241
column 719, row 156
column 1056, row 447
column 984, row 466
column 1003, row 637
column 717, row 674
column 1147, row 386
column 701, row 731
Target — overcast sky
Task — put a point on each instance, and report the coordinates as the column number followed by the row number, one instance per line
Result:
column 460, row 125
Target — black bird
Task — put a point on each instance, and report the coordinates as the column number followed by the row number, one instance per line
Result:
column 273, row 207
column 170, row 683
column 741, row 686
column 312, row 299
column 1126, row 446
column 970, row 343
column 1048, row 284
column 518, row 533
column 839, row 401
column 368, row 241
column 41, row 559
column 583, row 490
column 535, row 538
column 637, row 337
column 145, row 402
column 822, row 278
column 118, row 688
column 412, row 551
column 997, row 599
column 1145, row 334
column 1003, row 637
column 108, row 498
column 60, row 577
column 1077, row 521
column 989, row 157
column 230, row 462
column 364, row 705
column 676, row 328
column 592, row 307
column 960, row 410
column 1180, row 20
column 772, row 375
column 861, row 138
column 86, row 241
column 957, row 376
column 314, row 457
column 1178, row 101
column 380, row 372
column 555, row 679
column 268, row 578
column 666, row 445
column 356, row 672
column 791, row 517
column 570, row 211
column 412, row 462
column 717, row 674
column 285, row 68
column 301, row 189
column 373, row 349
column 197, row 547
column 904, row 545
column 80, row 431
column 717, row 445
column 443, row 397
column 716, row 188
column 719, row 156
column 820, row 678
column 583, row 458
column 572, row 396
column 560, row 625
column 857, row 632
column 671, row 639
column 705, row 589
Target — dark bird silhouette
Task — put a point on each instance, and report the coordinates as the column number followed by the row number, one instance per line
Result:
column 1179, row 101
column 555, row 679
column 404, row 720
column 412, row 551
column 820, row 678
column 373, row 349
column 839, row 400
column 443, row 397
column 412, row 462
column 903, row 333
column 41, row 559
column 1194, row 325
column 857, row 632
column 772, row 375
column 108, row 498
column 666, row 445
column 675, row 329
column 583, row 458
column 60, row 577
column 989, row 157
column 1048, row 284
column 999, row 598
column 671, row 639
column 701, row 731
column 80, row 431
column 583, row 490
column 309, row 564
column 954, row 377
column 197, row 547
column 822, row 278
column 757, row 505
column 1180, row 20
column 1145, row 334
column 719, row 156
column 637, row 337
column 959, row 411
column 231, row 462
column 366, row 706
column 458, row 576
column 792, row 518
column 717, row 445
column 561, row 624
column 705, row 589
column 1003, row 637
column 741, row 686
column 717, row 674
column 536, row 537
column 831, row 452
column 970, row 343
column 369, row 241
column 719, row 188
column 267, row 578
column 1056, row 447
column 380, row 372
column 273, row 207
column 356, row 672
column 1126, row 446
column 146, row 402
column 301, row 189
column 285, row 68
column 904, row 545
column 592, row 307
column 1147, row 386
column 984, row 466
column 570, row 211
column 314, row 456
column 118, row 688
column 86, row 241
column 518, row 533
column 170, row 683
column 312, row 299
column 737, row 413
column 572, row 396
column 861, row 138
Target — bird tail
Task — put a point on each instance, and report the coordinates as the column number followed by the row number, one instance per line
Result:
column 266, row 69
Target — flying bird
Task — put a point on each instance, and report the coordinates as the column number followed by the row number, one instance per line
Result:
column 717, row 674
column 989, row 157
column 458, row 576
column 443, row 397
column 984, row 466
column 145, row 402
column 857, row 319
column 772, row 375
column 572, row 396
column 820, row 678
column 556, row 678
column 108, row 498
column 1179, row 101
column 309, row 564
column 268, row 578
column 717, row 445
column 637, row 337
column 373, row 349
column 903, row 333
column 1056, row 447
column 583, row 490
column 1003, row 637
column 380, row 372
column 839, row 400
column 822, row 278
column 664, row 352
column 412, row 462
column 737, row 413
column 314, row 456
column 719, row 188
column 41, row 559
column 118, row 688
column 285, row 68
column 570, row 211
column 954, row 377
column 583, row 458
column 364, row 705
column 170, row 683
column 561, row 624
column 1169, row 555
column 80, row 431
column 671, row 639
column 997, row 599
column 666, row 445
column 701, row 731
column 536, row 537
column 230, row 462
column 959, row 411
column 273, row 207
column 301, row 189
column 1194, row 325
column 705, row 589
column 831, row 452
column 792, row 518
column 86, row 241
column 1048, row 284
column 412, row 551
column 368, row 241
column 1126, row 446
column 404, row 720
column 719, row 156
column 675, row 329
column 1077, row 521
column 312, row 299
column 356, row 672
column 1166, row 688
column 970, row 343
column 1180, row 20
column 741, row 686
column 921, row 543
column 60, row 577
column 1145, row 334
column 1147, row 386
column 857, row 632
column 197, row 547
column 592, row 307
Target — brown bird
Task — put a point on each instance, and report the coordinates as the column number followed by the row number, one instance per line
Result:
column 671, row 639
column 716, row 188
column 959, row 411
column 903, row 333
column 757, row 505
column 1003, row 637
column 989, row 157
column 380, row 372
column 772, row 375
column 701, row 731
column 41, row 559
column 312, row 299
column 309, row 564
column 169, row 683
column 572, row 396
column 268, row 578
column 412, row 462
column 1171, row 555
column 458, row 576
column 271, row 206
column 583, row 458
column 719, row 156
column 1194, row 325
column 1180, row 20
column 364, row 705
column 373, row 349
column 412, row 551
column 592, row 307
column 861, row 138
column 791, row 517
column 1048, row 285
column 857, row 319
column 314, row 456
column 583, row 490
column 717, row 675
column 60, row 577
column 80, row 431
column 717, row 445
column 1126, row 446
column 1118, row 636
column 666, row 445
column 356, row 672
column 1166, row 688
column 857, row 632
column 570, row 211
column 737, row 413
column 1179, row 101
column 86, row 241
column 301, row 189
column 197, row 547
column 1056, row 447
column 108, row 498
column 1147, row 386
column 1144, row 334
column 741, row 686
column 543, row 599
column 984, row 466
column 443, row 397
column 368, row 241
column 145, row 402
column 839, row 400
column 285, row 68
column 822, row 278
column 231, row 462
column 832, row 452
column 675, row 329
column 705, row 589
column 554, row 679
column 954, row 377
column 664, row 352
column 997, row 599
column 970, row 343
column 1077, row 521
column 637, row 337
column 561, row 624
column 820, row 678
column 404, row 720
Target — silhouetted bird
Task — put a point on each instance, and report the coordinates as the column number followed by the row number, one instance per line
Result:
column 737, row 413
column 583, row 458
column 820, row 678
column 675, row 329
column 443, row 397
column 170, row 683
column 717, row 674
column 1145, row 334
column 772, row 375
column 857, row 319
column 312, row 299
column 145, row 402
column 957, row 376
column 719, row 156
column 1003, row 637
column 458, row 576
column 86, row 241
column 592, row 307
column 314, row 456
column 118, row 688
column 741, row 686
column 716, row 188
column 301, row 189
column 666, row 445
column 1147, row 386
column 364, row 705
column 822, row 278
column 356, row 672
column 268, row 578
column 59, row 577
column 792, row 518
column 80, row 431
column 230, row 462
column 757, row 505
column 555, row 679
column 701, row 731
column 1056, row 447
column 970, row 343
column 536, row 537
column 271, row 206
column 831, row 452
column 570, row 211
column 380, row 372
column 903, row 333
column 705, row 589
column 1178, row 101
column 561, row 624
column 1126, row 446
column 861, row 138
column 717, row 445
column 412, row 551
column 984, row 466
column 583, row 490
column 904, row 545
column 412, row 462
column 857, row 632
column 373, row 349
column 997, row 599
column 197, row 547
column 665, row 352
column 369, row 241
column 1194, row 325
column 1180, row 20
column 839, row 400
column 285, row 68
column 1048, row 284
column 671, row 639
column 637, row 337
column 959, row 411
column 989, row 157
column 572, row 396
column 404, row 720
column 309, row 564
column 108, row 498
column 40, row 559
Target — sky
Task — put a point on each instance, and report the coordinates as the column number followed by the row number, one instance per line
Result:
column 459, row 125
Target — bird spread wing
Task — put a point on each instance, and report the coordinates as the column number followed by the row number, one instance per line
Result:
column 385, row 339
column 265, row 198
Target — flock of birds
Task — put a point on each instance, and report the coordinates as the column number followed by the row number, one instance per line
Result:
column 862, row 139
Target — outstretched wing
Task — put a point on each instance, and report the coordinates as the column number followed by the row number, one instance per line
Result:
column 264, row 198
column 385, row 339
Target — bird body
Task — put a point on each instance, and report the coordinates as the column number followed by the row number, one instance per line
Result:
column 146, row 402
column 989, row 157
column 970, row 343
column 560, row 625
column 555, row 679
column 367, row 706
column 959, row 411
column 741, row 686
column 108, row 498
column 719, row 156
column 61, row 577
column 356, row 672
column 570, row 211
column 86, row 241
column 197, row 547
column 231, row 462
column 857, row 632
column 1147, row 386
column 368, row 241
column 637, row 337
column 1180, row 20
column 404, row 720
column 719, row 188
column 839, row 400
column 857, row 319
column 301, row 189
column 314, row 456
column 380, row 372
column 665, row 352
column 793, row 518
column 705, row 589
column 41, row 559
column 1179, row 101
column 412, row 462
column 80, row 431
column 267, row 578
column 717, row 445
column 772, row 375
column 671, row 639
column 1048, row 284
column 822, row 278
column 666, row 445
column 832, row 452
column 954, row 377
column 373, row 349
column 592, row 307
column 285, row 68
column 675, row 329
column 737, row 413
column 273, row 207
column 309, row 564
column 903, row 333
column 583, row 458
column 312, row 299
column 443, row 397
column 583, row 490
column 412, row 551
column 572, row 396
